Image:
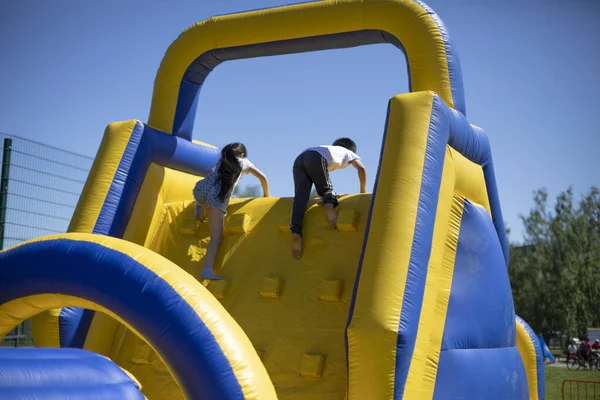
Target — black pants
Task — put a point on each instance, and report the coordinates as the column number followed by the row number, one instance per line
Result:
column 310, row 167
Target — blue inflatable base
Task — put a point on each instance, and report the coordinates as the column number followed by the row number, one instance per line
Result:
column 53, row 374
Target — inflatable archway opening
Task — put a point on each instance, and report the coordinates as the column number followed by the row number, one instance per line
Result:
column 398, row 311
column 411, row 26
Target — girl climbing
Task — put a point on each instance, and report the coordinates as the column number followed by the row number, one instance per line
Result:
column 214, row 192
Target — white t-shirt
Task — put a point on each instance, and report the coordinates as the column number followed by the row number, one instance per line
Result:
column 246, row 165
column 337, row 157
column 572, row 349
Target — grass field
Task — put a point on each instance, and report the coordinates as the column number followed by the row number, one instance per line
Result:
column 555, row 377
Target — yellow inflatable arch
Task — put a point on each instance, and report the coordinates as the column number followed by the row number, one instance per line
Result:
column 408, row 299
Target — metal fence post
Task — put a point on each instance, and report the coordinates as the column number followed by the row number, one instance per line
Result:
column 6, row 151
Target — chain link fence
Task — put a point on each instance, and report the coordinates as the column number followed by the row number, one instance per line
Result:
column 39, row 189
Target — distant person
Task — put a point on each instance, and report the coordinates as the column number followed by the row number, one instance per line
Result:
column 312, row 166
column 571, row 351
column 585, row 349
column 596, row 345
column 213, row 193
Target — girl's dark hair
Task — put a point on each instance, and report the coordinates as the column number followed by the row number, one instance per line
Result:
column 230, row 168
column 346, row 143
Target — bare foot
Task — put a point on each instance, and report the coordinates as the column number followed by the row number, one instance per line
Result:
column 331, row 215
column 296, row 245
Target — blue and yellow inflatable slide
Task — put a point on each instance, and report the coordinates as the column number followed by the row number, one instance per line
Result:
column 408, row 299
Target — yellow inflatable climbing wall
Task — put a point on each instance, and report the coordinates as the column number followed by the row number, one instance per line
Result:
column 408, row 299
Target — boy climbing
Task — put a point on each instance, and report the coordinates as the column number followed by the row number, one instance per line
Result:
column 312, row 166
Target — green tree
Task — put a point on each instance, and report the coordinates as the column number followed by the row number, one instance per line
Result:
column 555, row 274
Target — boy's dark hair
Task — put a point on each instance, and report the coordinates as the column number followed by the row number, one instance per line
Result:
column 230, row 167
column 346, row 143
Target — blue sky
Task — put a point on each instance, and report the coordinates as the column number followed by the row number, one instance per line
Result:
column 68, row 68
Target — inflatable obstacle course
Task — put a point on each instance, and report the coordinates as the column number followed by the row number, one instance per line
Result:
column 409, row 299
